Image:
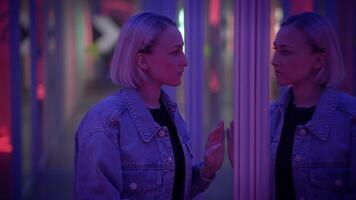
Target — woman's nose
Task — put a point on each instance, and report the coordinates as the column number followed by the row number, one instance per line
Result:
column 184, row 61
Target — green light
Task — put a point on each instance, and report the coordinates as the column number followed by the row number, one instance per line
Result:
column 181, row 23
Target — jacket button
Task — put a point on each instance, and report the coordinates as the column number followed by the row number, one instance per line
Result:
column 170, row 159
column 339, row 183
column 133, row 186
column 161, row 133
column 303, row 131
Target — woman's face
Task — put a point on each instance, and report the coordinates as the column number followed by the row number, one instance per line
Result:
column 167, row 60
column 293, row 59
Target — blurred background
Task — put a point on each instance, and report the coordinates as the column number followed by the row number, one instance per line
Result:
column 54, row 65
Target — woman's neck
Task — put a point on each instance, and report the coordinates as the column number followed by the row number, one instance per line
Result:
column 306, row 95
column 150, row 95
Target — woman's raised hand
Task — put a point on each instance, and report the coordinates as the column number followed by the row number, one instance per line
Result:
column 214, row 151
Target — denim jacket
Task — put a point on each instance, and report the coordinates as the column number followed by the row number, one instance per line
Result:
column 122, row 153
column 324, row 149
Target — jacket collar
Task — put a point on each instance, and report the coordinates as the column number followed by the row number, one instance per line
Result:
column 324, row 113
column 283, row 101
column 141, row 116
column 322, row 118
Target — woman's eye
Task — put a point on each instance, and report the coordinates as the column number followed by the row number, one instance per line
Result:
column 285, row 52
column 282, row 51
column 176, row 52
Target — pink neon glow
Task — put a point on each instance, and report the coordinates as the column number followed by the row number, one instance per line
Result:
column 214, row 84
column 214, row 12
column 5, row 100
column 109, row 5
column 298, row 6
column 41, row 92
column 5, row 145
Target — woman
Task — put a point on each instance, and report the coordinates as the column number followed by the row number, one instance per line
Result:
column 313, row 124
column 313, row 127
column 134, row 144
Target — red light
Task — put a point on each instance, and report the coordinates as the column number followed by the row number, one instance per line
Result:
column 214, row 84
column 5, row 145
column 214, row 12
column 41, row 92
column 298, row 6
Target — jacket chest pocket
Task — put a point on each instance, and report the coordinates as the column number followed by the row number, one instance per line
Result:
column 330, row 178
column 141, row 183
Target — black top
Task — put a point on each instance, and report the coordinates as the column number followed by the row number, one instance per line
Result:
column 284, row 178
column 161, row 116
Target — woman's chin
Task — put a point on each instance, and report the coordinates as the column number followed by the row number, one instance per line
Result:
column 282, row 82
column 173, row 84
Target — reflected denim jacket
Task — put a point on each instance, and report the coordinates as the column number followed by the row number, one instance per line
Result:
column 324, row 149
column 122, row 153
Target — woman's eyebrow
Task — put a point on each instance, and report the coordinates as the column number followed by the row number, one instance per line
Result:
column 283, row 45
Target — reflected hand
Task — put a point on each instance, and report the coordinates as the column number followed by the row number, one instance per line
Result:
column 230, row 142
column 214, row 151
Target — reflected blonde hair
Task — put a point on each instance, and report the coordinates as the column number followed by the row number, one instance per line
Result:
column 138, row 35
column 322, row 38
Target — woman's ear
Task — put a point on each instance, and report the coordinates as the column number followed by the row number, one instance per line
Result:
column 141, row 61
column 320, row 60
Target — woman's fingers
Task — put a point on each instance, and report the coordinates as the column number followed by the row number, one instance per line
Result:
column 214, row 148
column 230, row 142
column 228, row 135
column 217, row 135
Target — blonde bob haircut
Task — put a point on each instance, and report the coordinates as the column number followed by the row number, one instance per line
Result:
column 138, row 35
column 322, row 39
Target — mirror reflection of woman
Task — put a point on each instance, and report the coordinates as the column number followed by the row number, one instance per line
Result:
column 313, row 124
column 134, row 144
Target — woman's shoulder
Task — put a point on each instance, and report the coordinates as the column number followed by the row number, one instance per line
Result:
column 107, row 106
column 282, row 100
column 101, row 114
column 347, row 103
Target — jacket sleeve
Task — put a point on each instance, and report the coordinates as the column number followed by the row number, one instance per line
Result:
column 199, row 182
column 98, row 173
column 352, row 161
